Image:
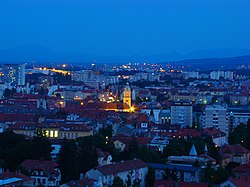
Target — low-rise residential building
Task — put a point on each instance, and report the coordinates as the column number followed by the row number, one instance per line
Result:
column 137, row 169
column 186, row 173
column 158, row 143
column 103, row 157
column 219, row 137
column 216, row 116
column 46, row 173
column 234, row 153
column 242, row 170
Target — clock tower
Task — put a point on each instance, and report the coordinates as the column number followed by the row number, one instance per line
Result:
column 127, row 95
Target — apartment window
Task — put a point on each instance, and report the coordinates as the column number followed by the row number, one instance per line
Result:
column 44, row 181
column 56, row 134
column 51, row 134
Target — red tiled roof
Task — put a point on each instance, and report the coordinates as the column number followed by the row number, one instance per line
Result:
column 7, row 174
column 121, row 167
column 242, row 168
column 233, row 149
column 103, row 154
column 83, row 182
column 28, row 96
column 213, row 132
column 164, row 183
column 143, row 140
column 127, row 139
column 42, row 165
column 187, row 133
column 61, row 126
column 17, row 117
column 143, row 118
column 242, row 181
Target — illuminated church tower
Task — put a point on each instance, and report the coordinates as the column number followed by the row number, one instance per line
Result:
column 127, row 95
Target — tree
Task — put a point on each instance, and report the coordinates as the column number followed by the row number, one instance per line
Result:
column 213, row 176
column 148, row 155
column 7, row 92
column 14, row 149
column 128, row 181
column 13, row 90
column 138, row 100
column 160, row 98
column 176, row 147
column 214, row 99
column 248, row 135
column 231, row 165
column 150, row 177
column 41, row 148
column 87, row 157
column 118, row 182
column 68, row 161
column 238, row 135
column 136, row 183
column 106, row 132
column 171, row 174
column 130, row 152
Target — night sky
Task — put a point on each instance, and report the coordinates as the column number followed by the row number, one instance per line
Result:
column 125, row 27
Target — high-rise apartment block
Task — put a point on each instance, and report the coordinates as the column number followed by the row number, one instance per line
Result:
column 216, row 116
column 181, row 113
column 14, row 74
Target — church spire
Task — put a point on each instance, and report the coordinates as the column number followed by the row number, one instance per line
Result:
column 193, row 151
column 205, row 149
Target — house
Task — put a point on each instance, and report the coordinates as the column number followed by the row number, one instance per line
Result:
column 187, row 133
column 137, row 169
column 219, row 137
column 242, row 170
column 142, row 123
column 242, row 181
column 236, row 153
column 121, row 141
column 104, row 157
column 46, row 173
column 159, row 143
column 187, row 173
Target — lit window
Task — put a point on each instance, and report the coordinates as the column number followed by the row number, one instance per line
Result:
column 47, row 133
column 51, row 134
column 56, row 134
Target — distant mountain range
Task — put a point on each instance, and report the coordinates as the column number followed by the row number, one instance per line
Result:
column 41, row 54
column 214, row 63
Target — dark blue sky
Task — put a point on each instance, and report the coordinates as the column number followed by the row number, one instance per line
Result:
column 125, row 27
